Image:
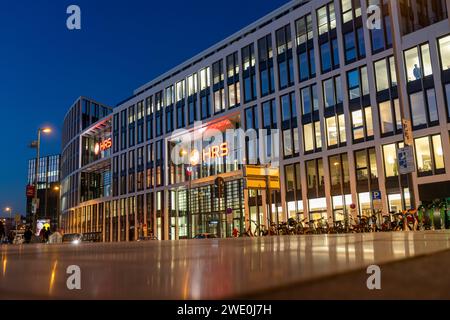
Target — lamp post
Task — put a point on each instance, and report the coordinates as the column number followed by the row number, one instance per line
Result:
column 9, row 210
column 194, row 159
column 37, row 145
column 341, row 184
column 57, row 189
column 394, row 8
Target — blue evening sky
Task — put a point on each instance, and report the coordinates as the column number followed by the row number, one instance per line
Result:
column 44, row 67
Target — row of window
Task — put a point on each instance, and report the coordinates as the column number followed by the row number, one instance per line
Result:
column 186, row 94
column 143, row 168
column 200, row 83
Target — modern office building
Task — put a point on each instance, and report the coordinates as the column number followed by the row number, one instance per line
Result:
column 317, row 88
column 85, row 165
column 47, row 188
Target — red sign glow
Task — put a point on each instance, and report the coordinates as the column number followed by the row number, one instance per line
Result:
column 103, row 146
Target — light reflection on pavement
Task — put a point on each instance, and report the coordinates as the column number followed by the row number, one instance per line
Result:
column 200, row 269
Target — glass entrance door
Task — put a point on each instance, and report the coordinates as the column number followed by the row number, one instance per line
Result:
column 255, row 209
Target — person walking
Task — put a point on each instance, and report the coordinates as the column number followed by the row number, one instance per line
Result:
column 46, row 235
column 28, row 235
column 42, row 235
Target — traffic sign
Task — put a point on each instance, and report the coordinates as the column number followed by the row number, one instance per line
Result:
column 405, row 160
column 261, row 177
column 262, row 171
column 255, row 183
column 376, row 195
column 35, row 205
column 30, row 191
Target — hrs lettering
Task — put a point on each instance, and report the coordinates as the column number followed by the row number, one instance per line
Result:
column 249, row 310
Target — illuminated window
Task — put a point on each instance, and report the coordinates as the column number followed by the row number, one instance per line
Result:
column 339, row 204
column 438, row 152
column 308, row 137
column 390, row 118
column 444, row 50
column 326, row 18
column 335, row 128
column 387, row 122
column 390, row 159
column 318, row 208
column 418, row 62
column 192, row 84
column 429, row 155
column 339, row 172
column 322, row 20
column 332, row 131
column 358, row 125
column 351, row 9
column 382, row 75
column 369, row 121
column 423, row 154
column 365, row 204
column 205, row 78
column 342, row 129
column 318, row 135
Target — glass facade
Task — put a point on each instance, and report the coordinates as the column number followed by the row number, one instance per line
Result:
column 307, row 84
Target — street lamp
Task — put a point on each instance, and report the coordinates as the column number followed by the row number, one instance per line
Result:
column 394, row 8
column 37, row 145
column 9, row 210
column 57, row 189
column 341, row 184
column 194, row 159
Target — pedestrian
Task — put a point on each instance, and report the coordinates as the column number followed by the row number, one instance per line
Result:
column 47, row 234
column 42, row 235
column 417, row 73
column 28, row 235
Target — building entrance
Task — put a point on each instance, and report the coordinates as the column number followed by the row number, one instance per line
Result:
column 199, row 210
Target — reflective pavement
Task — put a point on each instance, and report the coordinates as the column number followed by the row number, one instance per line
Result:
column 201, row 269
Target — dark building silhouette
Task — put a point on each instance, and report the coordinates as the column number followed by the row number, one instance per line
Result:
column 48, row 188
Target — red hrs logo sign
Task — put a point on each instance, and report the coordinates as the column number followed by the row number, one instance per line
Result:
column 215, row 152
column 103, row 146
